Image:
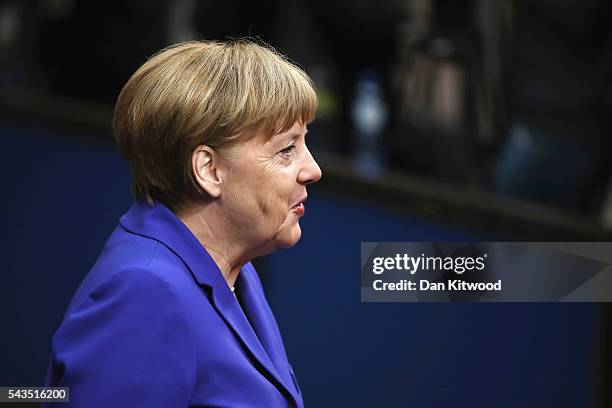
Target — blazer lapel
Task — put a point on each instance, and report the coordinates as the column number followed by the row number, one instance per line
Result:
column 227, row 306
column 263, row 323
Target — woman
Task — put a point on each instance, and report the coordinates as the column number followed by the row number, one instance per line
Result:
column 173, row 313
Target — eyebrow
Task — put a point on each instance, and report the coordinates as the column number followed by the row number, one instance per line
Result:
column 295, row 135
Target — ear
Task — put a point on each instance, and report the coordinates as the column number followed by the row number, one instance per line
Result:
column 205, row 168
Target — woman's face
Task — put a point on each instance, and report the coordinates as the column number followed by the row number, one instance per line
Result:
column 264, row 187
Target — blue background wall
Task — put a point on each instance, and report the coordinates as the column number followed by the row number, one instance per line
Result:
column 62, row 198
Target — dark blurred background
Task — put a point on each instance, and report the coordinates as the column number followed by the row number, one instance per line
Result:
column 439, row 120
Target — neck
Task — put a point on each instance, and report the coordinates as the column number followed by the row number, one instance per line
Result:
column 222, row 241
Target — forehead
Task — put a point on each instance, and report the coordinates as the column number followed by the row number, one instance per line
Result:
column 297, row 129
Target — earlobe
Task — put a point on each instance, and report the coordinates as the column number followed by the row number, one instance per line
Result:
column 204, row 165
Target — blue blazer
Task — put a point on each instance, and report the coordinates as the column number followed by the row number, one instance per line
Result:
column 154, row 324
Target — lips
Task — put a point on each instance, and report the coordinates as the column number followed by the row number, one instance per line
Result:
column 299, row 207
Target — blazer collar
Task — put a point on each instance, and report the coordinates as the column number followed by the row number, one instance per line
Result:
column 159, row 223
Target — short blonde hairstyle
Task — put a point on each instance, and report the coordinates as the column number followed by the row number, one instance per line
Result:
column 203, row 92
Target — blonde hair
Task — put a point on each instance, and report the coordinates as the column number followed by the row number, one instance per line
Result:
column 203, row 92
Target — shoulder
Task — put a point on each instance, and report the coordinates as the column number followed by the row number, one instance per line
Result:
column 129, row 290
column 134, row 297
column 122, row 327
column 136, row 266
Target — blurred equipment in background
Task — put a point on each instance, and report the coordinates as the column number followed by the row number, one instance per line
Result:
column 369, row 117
column 448, row 86
column 356, row 37
column 557, row 150
column 437, row 56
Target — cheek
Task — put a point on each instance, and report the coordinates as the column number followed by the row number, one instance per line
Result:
column 277, row 193
column 276, row 209
column 269, row 208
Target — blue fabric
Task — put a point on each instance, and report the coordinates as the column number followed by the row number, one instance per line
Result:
column 154, row 324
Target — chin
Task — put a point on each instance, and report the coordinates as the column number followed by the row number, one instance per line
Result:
column 287, row 238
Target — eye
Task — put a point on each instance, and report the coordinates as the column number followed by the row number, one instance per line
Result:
column 286, row 152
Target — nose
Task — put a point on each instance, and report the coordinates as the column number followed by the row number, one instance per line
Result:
column 310, row 172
